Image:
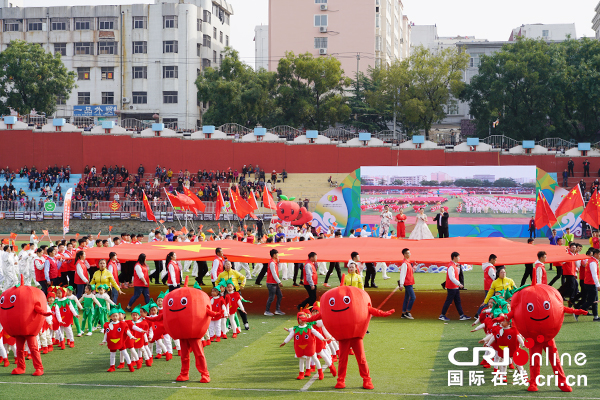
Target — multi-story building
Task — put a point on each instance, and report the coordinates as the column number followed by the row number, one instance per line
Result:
column 596, row 21
column 487, row 178
column 440, row 176
column 261, row 47
column 427, row 36
column 550, row 32
column 361, row 34
column 131, row 61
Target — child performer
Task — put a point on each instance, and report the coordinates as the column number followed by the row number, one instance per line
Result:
column 304, row 345
column 144, row 312
column 158, row 331
column 89, row 300
column 100, row 315
column 77, row 306
column 166, row 336
column 141, row 338
column 114, row 334
column 67, row 313
column 56, row 321
column 129, row 341
column 3, row 354
column 217, row 305
column 233, row 301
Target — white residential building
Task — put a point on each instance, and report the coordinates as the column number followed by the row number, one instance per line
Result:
column 132, row 61
column 427, row 36
column 596, row 21
column 261, row 47
column 551, row 32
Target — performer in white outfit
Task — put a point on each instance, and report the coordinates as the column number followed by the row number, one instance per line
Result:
column 421, row 230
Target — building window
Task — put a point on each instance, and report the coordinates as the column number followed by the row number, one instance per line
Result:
column 475, row 60
column 206, row 16
column 221, row 59
column 170, row 97
column 83, row 73
column 170, row 46
column 60, row 100
column 60, row 48
column 140, row 72
column 170, row 71
column 221, row 37
column 198, row 49
column 320, row 1
column 205, row 63
column 140, row 47
column 12, row 25
column 108, row 73
column 214, row 32
column 169, row 21
column 83, row 98
column 34, row 24
column 226, row 40
column 227, row 19
column 83, row 24
column 206, row 41
column 140, row 22
column 378, row 43
column 321, row 43
column 377, row 20
column 140, row 97
column 545, row 33
column 107, row 48
column 108, row 97
column 199, row 25
column 84, row 48
column 60, row 24
column 320, row 20
column 106, row 23
column 215, row 56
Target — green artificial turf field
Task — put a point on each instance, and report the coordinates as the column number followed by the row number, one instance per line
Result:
column 405, row 357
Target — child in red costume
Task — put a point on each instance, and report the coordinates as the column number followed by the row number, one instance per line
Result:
column 114, row 336
column 233, row 300
column 6, row 339
column 538, row 313
column 219, row 308
column 129, row 341
column 157, row 331
column 305, row 338
column 346, row 312
column 141, row 338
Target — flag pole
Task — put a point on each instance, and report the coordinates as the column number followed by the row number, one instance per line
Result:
column 174, row 211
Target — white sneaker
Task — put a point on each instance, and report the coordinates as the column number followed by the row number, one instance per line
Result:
column 386, row 277
column 269, row 313
column 279, row 312
column 88, row 334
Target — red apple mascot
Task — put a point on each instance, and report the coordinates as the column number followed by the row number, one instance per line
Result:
column 186, row 316
column 538, row 314
column 22, row 312
column 346, row 312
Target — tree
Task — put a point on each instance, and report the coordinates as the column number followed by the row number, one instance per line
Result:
column 434, row 80
column 430, row 183
column 505, row 182
column 398, row 182
column 318, row 85
column 31, row 79
column 469, row 183
column 236, row 93
column 363, row 115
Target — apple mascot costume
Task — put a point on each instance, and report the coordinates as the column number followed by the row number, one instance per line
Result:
column 291, row 212
column 346, row 312
column 538, row 313
column 22, row 312
column 186, row 315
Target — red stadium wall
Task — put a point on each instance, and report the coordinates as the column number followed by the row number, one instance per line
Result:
column 48, row 148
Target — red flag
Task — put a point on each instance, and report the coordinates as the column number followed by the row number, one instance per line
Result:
column 186, row 202
column 210, row 231
column 98, row 235
column 239, row 205
column 13, row 236
column 268, row 200
column 220, row 204
column 76, row 236
column 571, row 201
column 110, row 227
column 149, row 213
column 252, row 200
column 199, row 204
column 184, row 230
column 173, row 200
column 591, row 214
column 543, row 213
column 45, row 232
